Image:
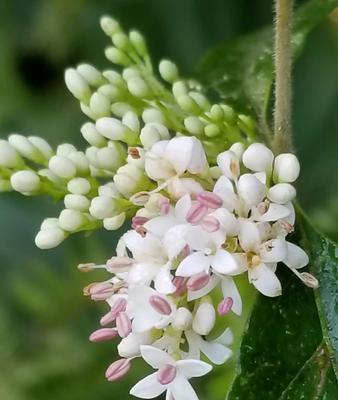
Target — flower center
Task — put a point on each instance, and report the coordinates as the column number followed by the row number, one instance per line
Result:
column 253, row 259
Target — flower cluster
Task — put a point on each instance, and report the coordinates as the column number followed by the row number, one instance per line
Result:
column 207, row 203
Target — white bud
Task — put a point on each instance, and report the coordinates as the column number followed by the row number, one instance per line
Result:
column 109, row 25
column 238, row 149
column 194, row 125
column 282, row 193
column 204, row 318
column 87, row 110
column 76, row 202
column 216, row 112
column 152, row 133
column 114, row 78
column 179, row 89
column 119, row 108
column 131, row 120
column 62, row 167
column 49, row 223
column 113, row 223
column 99, row 105
column 182, row 319
column 116, row 56
column 25, row 147
column 138, row 42
column 91, row 154
column 188, row 104
column 286, row 168
column 77, row 85
column 258, row 157
column 71, row 220
column 201, row 100
column 153, row 115
column 128, row 179
column 130, row 72
column 49, row 238
column 65, row 149
column 90, row 74
column 26, row 182
column 78, row 186
column 113, row 93
column 251, row 189
column 111, row 128
column 93, row 137
column 48, row 174
column 80, row 161
column 109, row 190
column 102, row 207
column 212, row 130
column 121, row 41
column 138, row 87
column 168, row 71
column 9, row 157
column 130, row 346
column 229, row 164
column 42, row 145
column 109, row 158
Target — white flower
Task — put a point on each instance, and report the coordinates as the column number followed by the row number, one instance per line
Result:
column 172, row 376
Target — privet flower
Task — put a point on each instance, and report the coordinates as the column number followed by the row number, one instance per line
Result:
column 207, row 203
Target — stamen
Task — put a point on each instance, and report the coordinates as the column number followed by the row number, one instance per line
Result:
column 210, row 199
column 196, row 213
column 118, row 369
column 123, row 324
column 225, row 306
column 198, row 281
column 166, row 374
column 103, row 334
column 210, row 224
column 160, row 305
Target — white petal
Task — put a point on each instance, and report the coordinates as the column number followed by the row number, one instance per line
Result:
column 181, row 388
column 265, row 280
column 197, row 294
column 274, row 213
column 224, row 263
column 195, row 263
column 229, row 289
column 249, row 235
column 296, row 256
column 274, row 250
column 227, row 220
column 160, row 225
column 163, row 281
column 198, row 163
column 292, row 216
column 179, row 187
column 194, row 342
column 155, row 358
column 228, row 163
column 179, row 153
column 217, row 353
column 142, row 273
column 250, row 189
column 148, row 388
column 199, row 239
column 182, row 207
column 226, row 338
column 193, row 368
column 175, row 240
column 224, row 188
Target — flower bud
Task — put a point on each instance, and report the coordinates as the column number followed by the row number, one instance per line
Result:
column 109, row 190
column 117, row 370
column 286, row 168
column 188, row 104
column 238, row 149
column 49, row 223
column 200, row 100
column 77, row 85
column 117, row 56
column 9, row 157
column 92, row 136
column 216, row 112
column 229, row 164
column 138, row 42
column 282, row 193
column 258, row 157
column 78, row 186
column 25, row 148
column 71, row 220
column 76, row 202
column 119, row 108
column 250, row 189
column 91, row 154
column 212, row 130
column 90, row 74
column 168, row 71
column 42, row 145
column 49, row 238
column 138, row 87
column 110, row 158
column 182, row 319
column 103, row 207
column 99, row 105
column 112, row 128
column 65, row 149
column 153, row 115
column 130, row 119
column 62, row 167
column 129, row 179
column 153, row 132
column 80, row 162
column 109, row 25
column 194, row 125
column 114, row 223
column 204, row 318
column 179, row 89
column 26, row 182
column 120, row 41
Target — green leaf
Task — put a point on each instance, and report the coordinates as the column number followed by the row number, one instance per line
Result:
column 241, row 71
column 324, row 265
column 282, row 355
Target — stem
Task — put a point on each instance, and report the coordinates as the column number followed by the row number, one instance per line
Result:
column 283, row 55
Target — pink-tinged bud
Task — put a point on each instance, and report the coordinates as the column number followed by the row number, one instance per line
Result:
column 160, row 305
column 164, row 205
column 138, row 221
column 196, row 213
column 123, row 324
column 198, row 281
column 210, row 224
column 100, row 291
column 119, row 306
column 225, row 306
column 119, row 264
column 141, row 230
column 103, row 334
column 209, row 199
column 166, row 374
column 117, row 369
column 181, row 285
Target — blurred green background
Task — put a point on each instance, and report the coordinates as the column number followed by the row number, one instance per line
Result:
column 45, row 321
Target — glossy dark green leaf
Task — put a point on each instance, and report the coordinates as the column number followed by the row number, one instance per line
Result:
column 280, row 347
column 324, row 265
column 241, row 71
